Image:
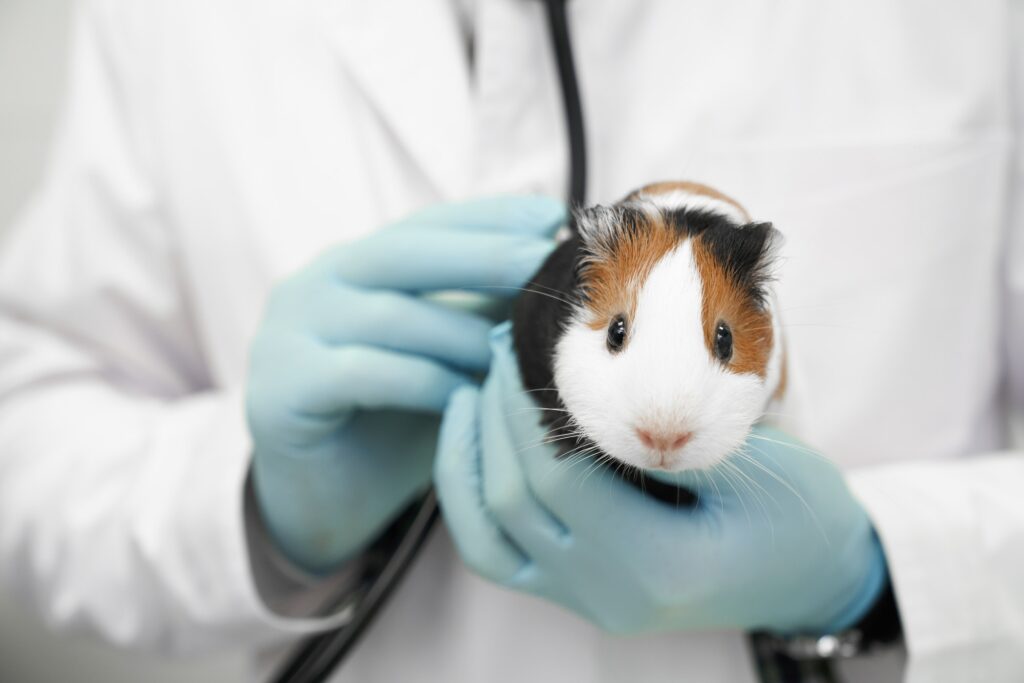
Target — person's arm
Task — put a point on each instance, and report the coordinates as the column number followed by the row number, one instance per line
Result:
column 953, row 534
column 121, row 467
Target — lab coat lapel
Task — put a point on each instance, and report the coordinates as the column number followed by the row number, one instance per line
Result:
column 408, row 58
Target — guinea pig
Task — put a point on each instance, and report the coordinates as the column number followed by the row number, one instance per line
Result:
column 651, row 335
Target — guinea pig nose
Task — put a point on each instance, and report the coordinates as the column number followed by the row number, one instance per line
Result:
column 663, row 440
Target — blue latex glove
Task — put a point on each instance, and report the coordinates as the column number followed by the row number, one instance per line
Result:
column 352, row 366
column 776, row 541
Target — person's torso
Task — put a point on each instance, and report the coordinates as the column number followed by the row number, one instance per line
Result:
column 874, row 135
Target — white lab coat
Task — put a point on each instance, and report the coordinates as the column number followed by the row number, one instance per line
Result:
column 208, row 149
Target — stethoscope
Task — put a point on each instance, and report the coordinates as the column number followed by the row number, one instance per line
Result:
column 388, row 560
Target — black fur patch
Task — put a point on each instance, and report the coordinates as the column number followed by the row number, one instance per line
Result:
column 539, row 318
column 693, row 222
column 745, row 251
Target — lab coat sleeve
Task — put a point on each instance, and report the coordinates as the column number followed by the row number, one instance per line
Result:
column 953, row 532
column 122, row 468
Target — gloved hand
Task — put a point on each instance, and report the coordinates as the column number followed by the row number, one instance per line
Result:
column 775, row 542
column 352, row 366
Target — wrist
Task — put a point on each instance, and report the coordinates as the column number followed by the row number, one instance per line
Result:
column 876, row 626
column 874, row 579
column 880, row 627
column 305, row 524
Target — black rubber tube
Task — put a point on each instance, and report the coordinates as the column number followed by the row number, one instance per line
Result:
column 558, row 28
column 317, row 656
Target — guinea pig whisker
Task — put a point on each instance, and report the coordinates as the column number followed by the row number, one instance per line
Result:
column 569, row 457
column 574, row 456
column 643, row 485
column 756, row 493
column 588, row 451
column 600, row 465
column 787, row 485
column 527, row 289
column 565, row 466
column 546, row 288
column 595, row 465
column 677, row 489
column 759, row 494
column 568, row 427
column 551, row 290
column 563, row 437
column 751, row 483
column 804, row 449
column 546, row 441
column 727, row 475
column 530, row 408
column 569, row 463
column 718, row 491
column 585, row 446
column 617, row 472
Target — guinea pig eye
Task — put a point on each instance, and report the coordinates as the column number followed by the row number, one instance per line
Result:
column 723, row 342
column 616, row 334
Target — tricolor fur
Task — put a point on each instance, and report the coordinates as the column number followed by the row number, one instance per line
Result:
column 673, row 264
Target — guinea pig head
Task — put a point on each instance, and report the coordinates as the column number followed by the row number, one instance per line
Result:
column 674, row 350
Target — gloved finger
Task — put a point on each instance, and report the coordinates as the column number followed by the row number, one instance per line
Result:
column 507, row 492
column 484, row 547
column 430, row 260
column 522, row 214
column 371, row 378
column 403, row 323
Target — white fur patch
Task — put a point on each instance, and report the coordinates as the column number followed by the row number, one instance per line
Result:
column 663, row 380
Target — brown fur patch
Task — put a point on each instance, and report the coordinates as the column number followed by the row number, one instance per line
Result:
column 723, row 300
column 613, row 281
column 690, row 187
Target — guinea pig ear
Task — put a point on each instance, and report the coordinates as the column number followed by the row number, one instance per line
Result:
column 747, row 254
